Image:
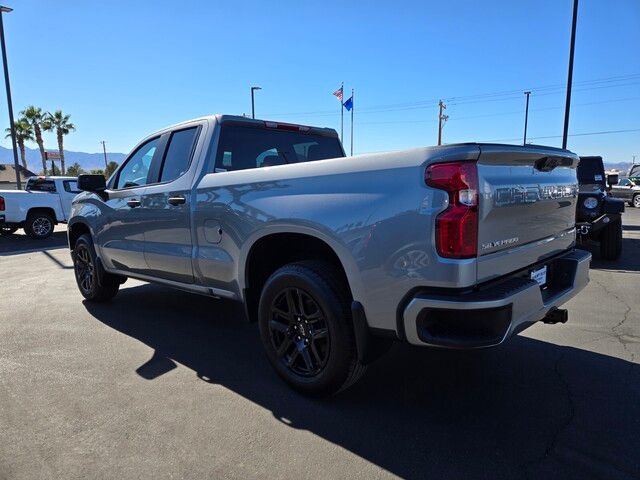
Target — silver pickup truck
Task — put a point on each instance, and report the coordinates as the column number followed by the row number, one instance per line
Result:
column 458, row 246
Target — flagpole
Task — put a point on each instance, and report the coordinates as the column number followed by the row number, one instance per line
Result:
column 342, row 114
column 352, row 108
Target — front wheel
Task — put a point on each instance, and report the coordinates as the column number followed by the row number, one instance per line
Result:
column 611, row 241
column 85, row 266
column 306, row 328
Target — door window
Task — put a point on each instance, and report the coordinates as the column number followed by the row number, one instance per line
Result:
column 625, row 182
column 178, row 156
column 136, row 169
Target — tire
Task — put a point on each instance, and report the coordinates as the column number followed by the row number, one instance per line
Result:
column 39, row 225
column 636, row 200
column 611, row 241
column 5, row 230
column 306, row 328
column 94, row 284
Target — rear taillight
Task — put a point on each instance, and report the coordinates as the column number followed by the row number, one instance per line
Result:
column 457, row 226
column 1, row 204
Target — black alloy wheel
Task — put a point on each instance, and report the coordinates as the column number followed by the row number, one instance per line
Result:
column 299, row 332
column 94, row 283
column 84, row 269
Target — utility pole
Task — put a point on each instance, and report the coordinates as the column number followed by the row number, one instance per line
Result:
column 104, row 150
column 567, row 105
column 526, row 118
column 441, row 119
column 9, row 102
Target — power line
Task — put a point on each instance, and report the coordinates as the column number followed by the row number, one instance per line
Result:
column 584, row 134
column 499, row 114
column 553, row 89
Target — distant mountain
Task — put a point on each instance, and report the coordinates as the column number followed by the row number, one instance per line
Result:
column 620, row 166
column 87, row 161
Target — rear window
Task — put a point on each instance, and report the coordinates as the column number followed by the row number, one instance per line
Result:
column 40, row 185
column 243, row 147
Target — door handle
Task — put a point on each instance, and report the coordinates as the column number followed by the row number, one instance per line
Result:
column 176, row 200
column 133, row 203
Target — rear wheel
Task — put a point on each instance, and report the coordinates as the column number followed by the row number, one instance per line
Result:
column 611, row 241
column 636, row 200
column 306, row 328
column 6, row 230
column 93, row 285
column 39, row 225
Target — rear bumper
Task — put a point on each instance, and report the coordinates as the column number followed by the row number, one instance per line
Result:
column 489, row 316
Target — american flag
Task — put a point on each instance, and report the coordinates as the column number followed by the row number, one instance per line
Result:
column 338, row 93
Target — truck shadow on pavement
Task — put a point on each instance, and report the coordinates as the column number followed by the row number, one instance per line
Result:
column 629, row 261
column 528, row 409
column 20, row 243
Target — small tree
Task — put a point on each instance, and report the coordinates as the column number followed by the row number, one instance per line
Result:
column 97, row 171
column 24, row 133
column 111, row 167
column 75, row 170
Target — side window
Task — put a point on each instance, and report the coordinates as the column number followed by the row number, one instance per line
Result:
column 178, row 154
column 135, row 170
column 624, row 182
column 70, row 186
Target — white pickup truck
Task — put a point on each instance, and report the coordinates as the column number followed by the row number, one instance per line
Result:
column 45, row 202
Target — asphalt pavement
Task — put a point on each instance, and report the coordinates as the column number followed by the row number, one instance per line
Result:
column 164, row 384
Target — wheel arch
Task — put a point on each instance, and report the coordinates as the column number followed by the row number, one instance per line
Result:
column 75, row 229
column 254, row 268
column 48, row 210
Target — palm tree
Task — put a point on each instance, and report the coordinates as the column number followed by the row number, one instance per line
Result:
column 24, row 133
column 36, row 118
column 59, row 122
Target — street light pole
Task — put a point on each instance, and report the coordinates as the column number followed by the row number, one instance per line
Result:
column 567, row 104
column 253, row 105
column 526, row 118
column 104, row 150
column 9, row 102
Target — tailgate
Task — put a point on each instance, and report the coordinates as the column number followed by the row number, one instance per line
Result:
column 527, row 206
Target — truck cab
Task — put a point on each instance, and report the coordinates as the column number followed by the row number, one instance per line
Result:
column 45, row 202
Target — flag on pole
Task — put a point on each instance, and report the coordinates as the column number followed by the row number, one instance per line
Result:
column 349, row 104
column 338, row 93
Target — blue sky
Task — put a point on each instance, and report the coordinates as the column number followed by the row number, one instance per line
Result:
column 123, row 69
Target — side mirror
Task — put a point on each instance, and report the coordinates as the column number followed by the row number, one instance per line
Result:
column 612, row 179
column 92, row 183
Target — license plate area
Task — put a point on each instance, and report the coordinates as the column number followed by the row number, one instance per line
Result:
column 539, row 275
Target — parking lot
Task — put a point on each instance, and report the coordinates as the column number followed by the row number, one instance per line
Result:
column 165, row 384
